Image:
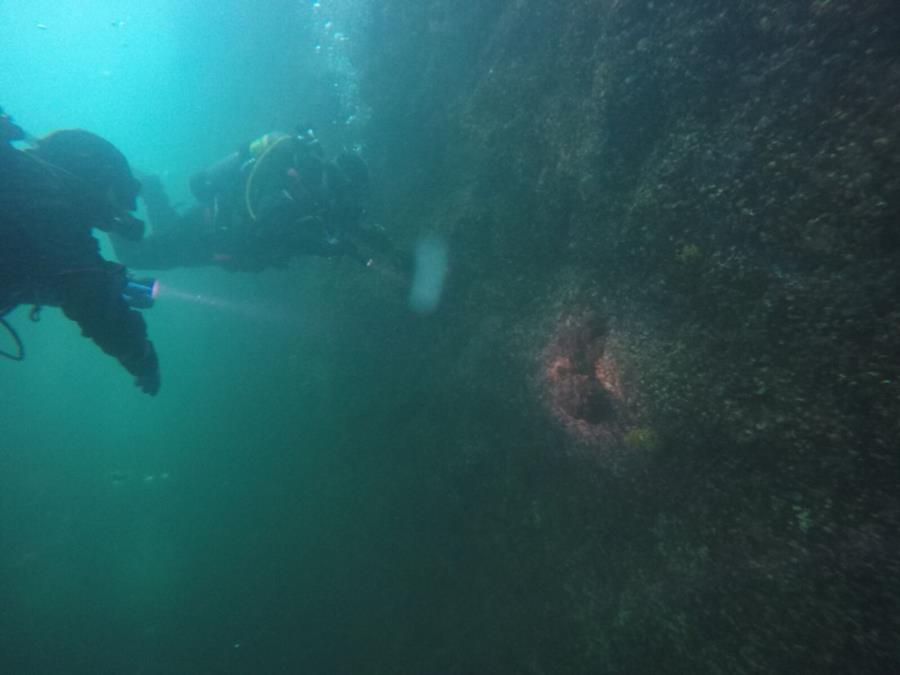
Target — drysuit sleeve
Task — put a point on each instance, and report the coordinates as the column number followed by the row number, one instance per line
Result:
column 92, row 298
column 155, row 252
column 188, row 242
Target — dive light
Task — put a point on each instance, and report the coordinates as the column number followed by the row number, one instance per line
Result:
column 140, row 293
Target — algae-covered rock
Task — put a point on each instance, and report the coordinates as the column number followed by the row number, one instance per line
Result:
column 720, row 182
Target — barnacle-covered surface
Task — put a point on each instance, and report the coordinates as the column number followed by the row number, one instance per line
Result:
column 658, row 409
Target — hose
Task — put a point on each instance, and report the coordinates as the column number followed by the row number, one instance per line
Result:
column 252, row 176
column 19, row 346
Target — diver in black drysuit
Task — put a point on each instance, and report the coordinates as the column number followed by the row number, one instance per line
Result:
column 264, row 204
column 50, row 198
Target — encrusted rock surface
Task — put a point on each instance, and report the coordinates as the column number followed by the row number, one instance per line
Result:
column 660, row 405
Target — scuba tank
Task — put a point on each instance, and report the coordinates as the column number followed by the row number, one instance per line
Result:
column 222, row 186
column 219, row 178
column 224, row 176
column 283, row 162
column 271, row 166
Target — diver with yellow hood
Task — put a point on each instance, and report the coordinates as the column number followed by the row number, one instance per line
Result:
column 269, row 201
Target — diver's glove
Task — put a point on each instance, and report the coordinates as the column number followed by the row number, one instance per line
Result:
column 149, row 383
column 145, row 370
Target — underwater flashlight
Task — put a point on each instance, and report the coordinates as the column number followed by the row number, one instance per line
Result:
column 140, row 293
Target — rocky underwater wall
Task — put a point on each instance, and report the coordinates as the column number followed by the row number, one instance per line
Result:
column 656, row 418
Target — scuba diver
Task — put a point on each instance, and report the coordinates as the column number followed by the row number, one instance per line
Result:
column 269, row 201
column 51, row 196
